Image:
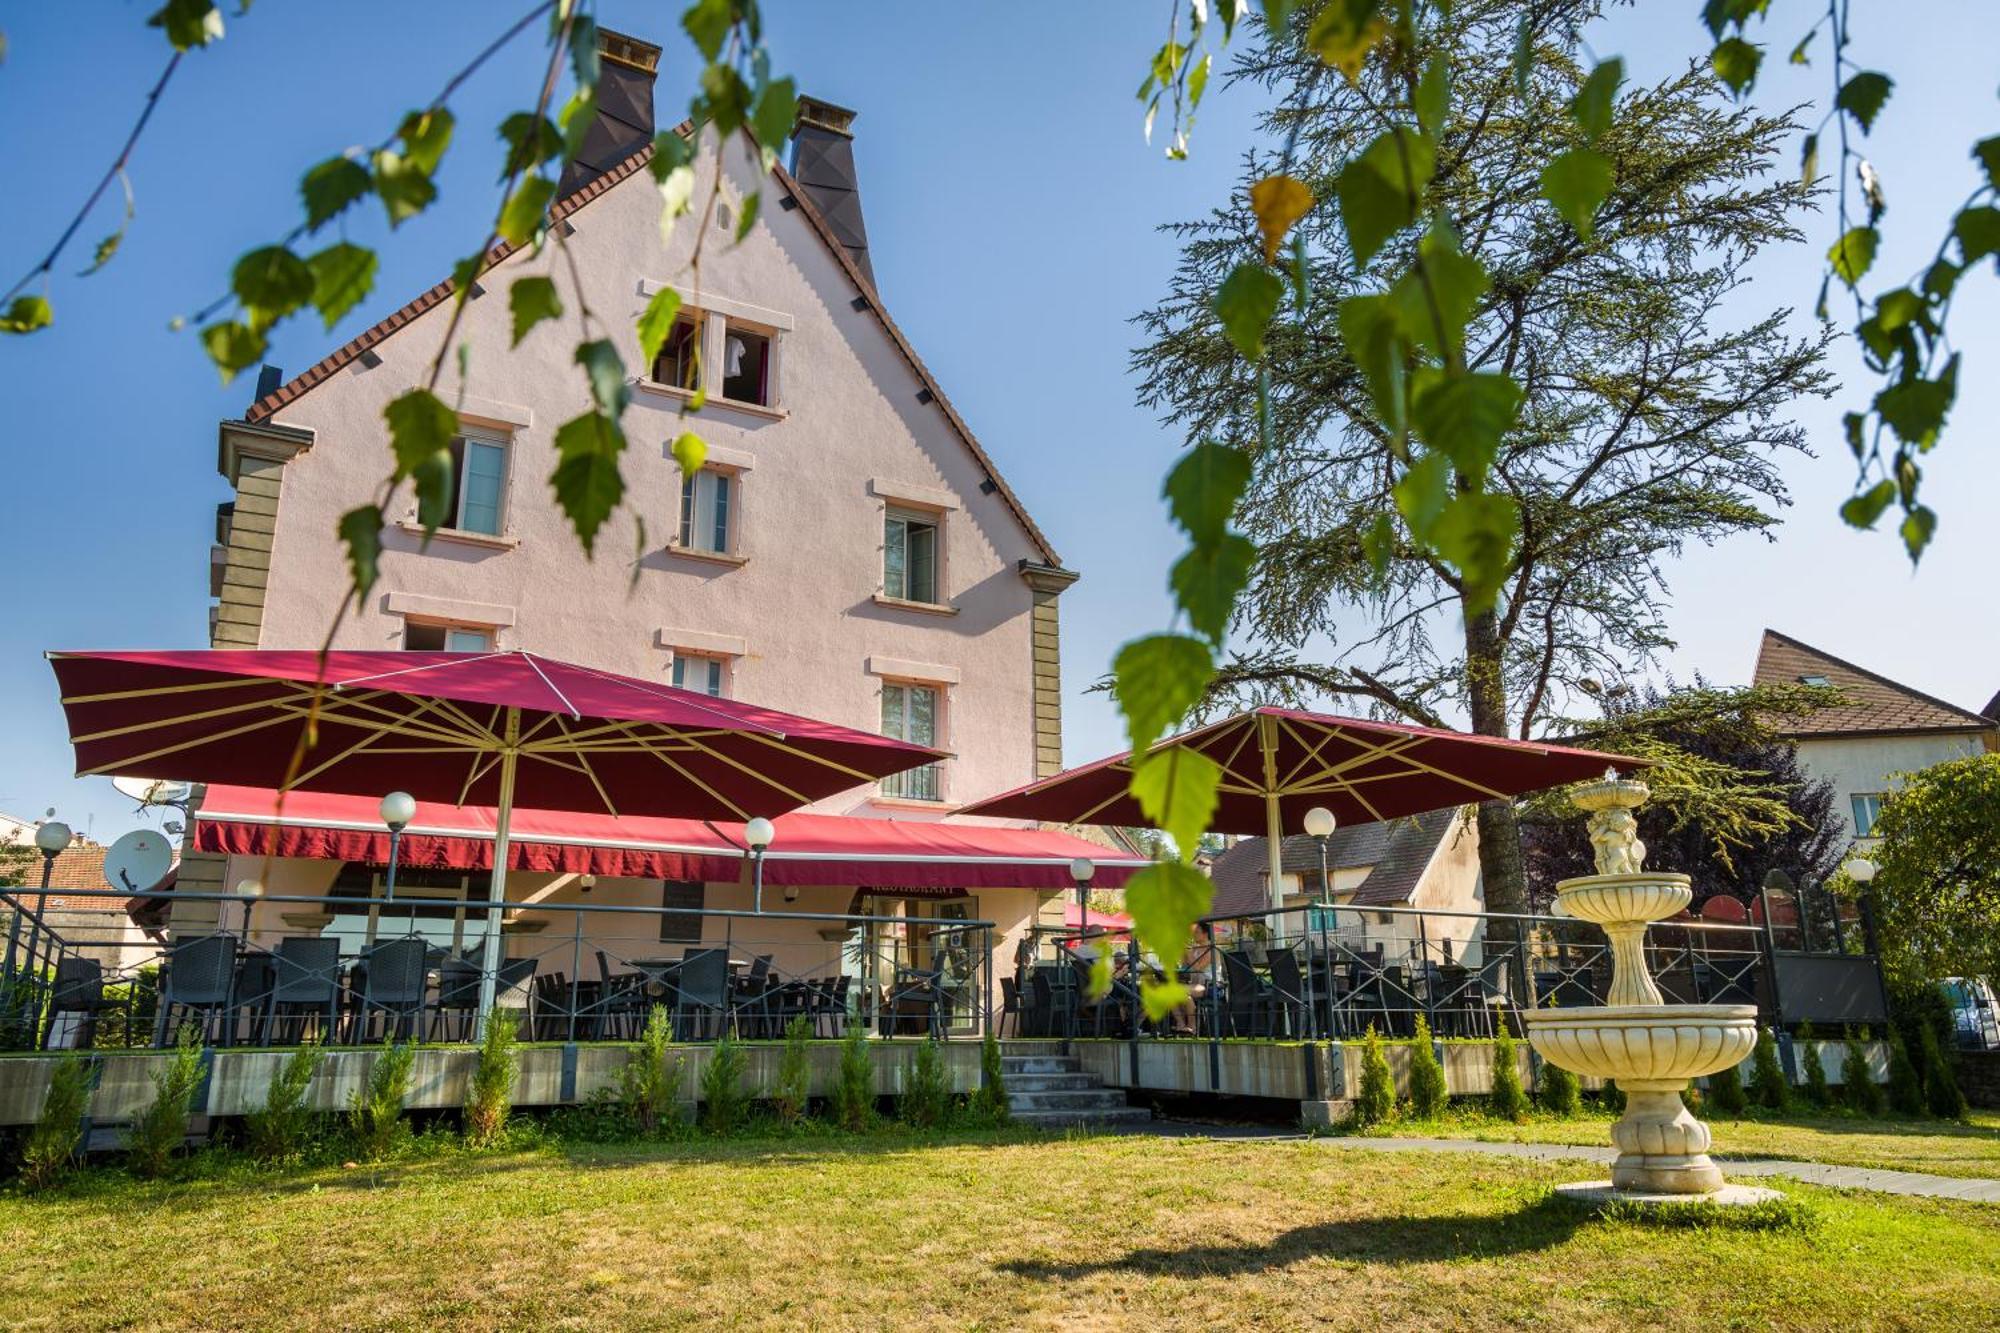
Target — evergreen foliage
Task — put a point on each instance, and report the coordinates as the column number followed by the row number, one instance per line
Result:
column 1509, row 1100
column 277, row 1131
column 854, row 1084
column 1857, row 1082
column 793, row 1088
column 1376, row 1100
column 989, row 1104
column 649, row 1087
column 492, row 1093
column 1941, row 1091
column 1725, row 1093
column 52, row 1142
column 724, row 1100
column 162, row 1127
column 1428, row 1093
column 375, row 1110
column 1558, row 1091
column 1768, row 1086
column 926, row 1099
column 1906, row 1086
column 1818, row 1095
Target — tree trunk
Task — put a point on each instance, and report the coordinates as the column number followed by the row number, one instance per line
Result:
column 1505, row 882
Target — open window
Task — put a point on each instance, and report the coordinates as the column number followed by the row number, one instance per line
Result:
column 746, row 364
column 679, row 362
column 476, row 500
column 910, row 555
column 432, row 636
column 708, row 501
column 700, row 673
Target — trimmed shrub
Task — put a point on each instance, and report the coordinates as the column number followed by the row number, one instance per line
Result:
column 1725, row 1093
column 278, row 1130
column 1767, row 1077
column 724, row 1102
column 1818, row 1094
column 1906, row 1088
column 162, row 1127
column 1613, row 1097
column 1558, row 1090
column 1428, row 1093
column 1857, row 1081
column 793, row 1089
column 854, row 1086
column 1509, row 1101
column 375, row 1110
column 926, row 1099
column 1941, row 1091
column 491, row 1096
column 52, row 1142
column 1376, row 1100
column 989, row 1104
column 649, row 1087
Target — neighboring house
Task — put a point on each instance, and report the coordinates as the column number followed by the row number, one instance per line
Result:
column 849, row 551
column 95, row 926
column 1883, row 728
column 1428, row 861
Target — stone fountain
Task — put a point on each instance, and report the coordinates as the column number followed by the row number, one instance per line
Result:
column 1651, row 1048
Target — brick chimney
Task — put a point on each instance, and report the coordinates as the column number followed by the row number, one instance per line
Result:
column 624, row 122
column 823, row 165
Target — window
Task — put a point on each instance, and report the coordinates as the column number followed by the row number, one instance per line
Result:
column 679, row 362
column 705, row 501
column 701, row 674
column 478, row 479
column 909, row 713
column 746, row 365
column 423, row 636
column 1867, row 809
column 681, row 926
column 1814, row 680
column 910, row 556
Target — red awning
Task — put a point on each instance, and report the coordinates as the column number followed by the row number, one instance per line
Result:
column 808, row 849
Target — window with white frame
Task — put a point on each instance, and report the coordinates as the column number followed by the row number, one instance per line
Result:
column 708, row 498
column 475, row 501
column 910, row 713
column 702, row 674
column 910, row 555
column 430, row 636
column 1867, row 807
column 746, row 364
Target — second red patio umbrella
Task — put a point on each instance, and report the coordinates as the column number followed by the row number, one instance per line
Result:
column 489, row 729
column 1279, row 762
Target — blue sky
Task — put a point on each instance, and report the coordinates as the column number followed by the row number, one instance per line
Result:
column 1012, row 211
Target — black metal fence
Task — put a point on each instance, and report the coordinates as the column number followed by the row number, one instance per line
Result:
column 415, row 970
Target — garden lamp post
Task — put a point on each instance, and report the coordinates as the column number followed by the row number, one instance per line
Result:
column 398, row 809
column 1863, row 871
column 1082, row 870
column 758, row 833
column 1320, row 826
column 51, row 837
column 249, row 890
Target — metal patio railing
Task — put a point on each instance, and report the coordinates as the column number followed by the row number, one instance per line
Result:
column 412, row 969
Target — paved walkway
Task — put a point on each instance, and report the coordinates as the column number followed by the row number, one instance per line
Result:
column 1913, row 1183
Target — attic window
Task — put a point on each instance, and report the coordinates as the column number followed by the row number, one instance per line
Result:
column 1814, row 680
column 746, row 363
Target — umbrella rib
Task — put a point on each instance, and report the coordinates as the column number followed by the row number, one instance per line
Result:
column 364, row 743
column 647, row 746
column 686, row 698
column 859, row 775
column 408, row 670
column 150, row 691
column 1313, row 749
column 583, row 762
column 733, row 808
column 533, row 665
column 344, row 708
column 121, row 764
column 155, row 724
column 1243, row 740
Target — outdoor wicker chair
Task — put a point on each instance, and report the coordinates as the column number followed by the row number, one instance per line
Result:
column 199, row 981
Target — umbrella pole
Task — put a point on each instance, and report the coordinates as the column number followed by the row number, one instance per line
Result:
column 489, row 968
column 1274, row 824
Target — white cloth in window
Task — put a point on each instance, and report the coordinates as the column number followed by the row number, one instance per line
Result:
column 733, row 357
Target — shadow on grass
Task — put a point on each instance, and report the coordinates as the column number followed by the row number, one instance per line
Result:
column 1384, row 1238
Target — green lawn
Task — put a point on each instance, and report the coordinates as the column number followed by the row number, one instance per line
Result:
column 1933, row 1146
column 996, row 1230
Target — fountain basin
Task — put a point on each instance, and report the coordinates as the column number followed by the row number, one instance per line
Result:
column 1623, row 899
column 1639, row 1044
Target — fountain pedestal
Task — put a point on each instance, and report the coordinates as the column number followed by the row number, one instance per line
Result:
column 1651, row 1049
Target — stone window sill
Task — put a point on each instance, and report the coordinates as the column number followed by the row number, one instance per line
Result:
column 459, row 535
column 926, row 608
column 906, row 803
column 674, row 391
column 709, row 557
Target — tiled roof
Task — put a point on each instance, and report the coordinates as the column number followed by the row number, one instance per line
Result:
column 78, row 866
column 1874, row 705
column 1388, row 847
column 331, row 364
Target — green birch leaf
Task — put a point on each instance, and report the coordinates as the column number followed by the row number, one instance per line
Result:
column 435, row 482
column 1475, row 535
column 1594, row 102
column 531, row 140
column 1381, row 191
column 361, row 534
column 1978, row 232
column 1161, row 996
column 584, row 61
column 1577, row 183
column 1439, row 294
column 1919, row 526
column 1735, row 62
column 606, row 371
column 1372, row 328
column 1207, row 580
column 1203, row 488
column 232, row 346
column 586, row 480
column 707, row 23
column 1165, row 900
column 1244, row 303
column 271, row 282
column 1988, row 153
column 657, row 321
column 1178, row 789
column 188, row 23
column 1800, row 52
column 342, row 276
column 1915, row 409
column 1853, row 254
column 1379, row 543
column 1197, row 81
column 670, row 153
column 1809, row 160
column 690, row 451
column 404, row 189
column 1940, row 278
column 425, row 136
column 1421, row 493
column 1863, row 96
column 1344, row 32
column 1464, row 416
column 421, row 425
column 1862, row 510
column 531, row 300
column 1433, row 98
column 747, row 218
column 330, row 188
column 28, row 313
column 1156, row 680
column 773, row 113
column 526, row 209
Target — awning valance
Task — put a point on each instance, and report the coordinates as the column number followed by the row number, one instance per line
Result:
column 808, row 849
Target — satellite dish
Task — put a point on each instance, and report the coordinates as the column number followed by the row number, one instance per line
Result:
column 138, row 861
column 154, row 791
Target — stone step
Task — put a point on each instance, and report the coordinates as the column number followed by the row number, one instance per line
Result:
column 1049, row 1082
column 1082, row 1099
column 1106, row 1118
column 1011, row 1065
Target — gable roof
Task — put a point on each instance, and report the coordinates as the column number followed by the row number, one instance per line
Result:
column 1875, row 704
column 794, row 197
column 1396, row 852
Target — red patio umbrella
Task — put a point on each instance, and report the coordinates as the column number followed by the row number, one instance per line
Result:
column 461, row 728
column 1277, row 763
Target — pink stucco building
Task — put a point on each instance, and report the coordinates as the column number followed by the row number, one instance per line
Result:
column 849, row 551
